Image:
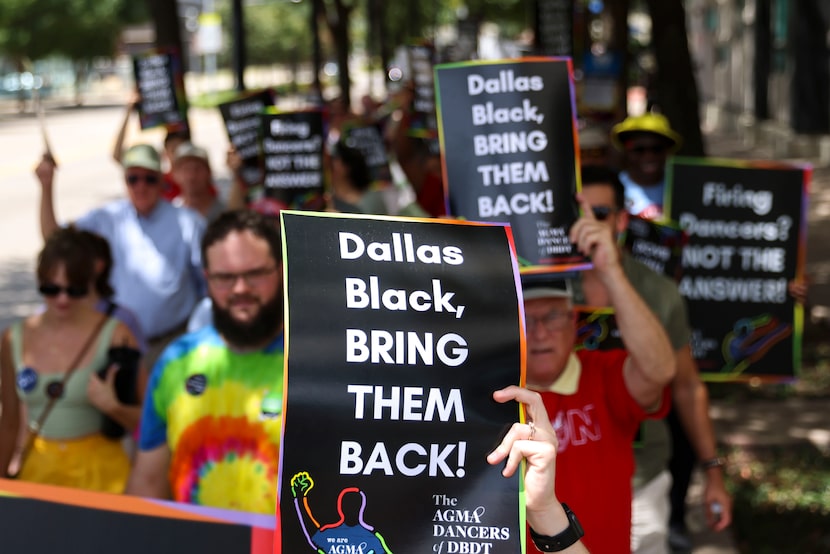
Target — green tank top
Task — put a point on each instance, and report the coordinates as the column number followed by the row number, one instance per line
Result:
column 72, row 415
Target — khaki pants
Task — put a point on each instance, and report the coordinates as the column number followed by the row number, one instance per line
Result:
column 650, row 510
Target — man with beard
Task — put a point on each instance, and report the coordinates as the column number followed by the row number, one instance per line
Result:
column 211, row 420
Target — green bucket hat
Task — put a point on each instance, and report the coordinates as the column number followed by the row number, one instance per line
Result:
column 141, row 155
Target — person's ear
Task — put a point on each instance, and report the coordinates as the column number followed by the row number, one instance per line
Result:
column 622, row 221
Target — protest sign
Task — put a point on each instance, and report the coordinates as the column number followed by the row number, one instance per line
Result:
column 422, row 61
column 367, row 140
column 554, row 27
column 508, row 133
column 160, row 81
column 747, row 234
column 596, row 329
column 657, row 244
column 41, row 519
column 397, row 333
column 292, row 147
column 242, row 123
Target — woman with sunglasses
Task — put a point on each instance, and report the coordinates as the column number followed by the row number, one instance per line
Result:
column 49, row 362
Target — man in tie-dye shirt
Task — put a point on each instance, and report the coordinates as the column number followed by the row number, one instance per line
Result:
column 211, row 420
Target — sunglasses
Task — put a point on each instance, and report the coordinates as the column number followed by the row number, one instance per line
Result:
column 601, row 213
column 641, row 149
column 52, row 290
column 150, row 179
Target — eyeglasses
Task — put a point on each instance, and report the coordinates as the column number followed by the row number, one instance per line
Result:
column 601, row 213
column 150, row 178
column 252, row 278
column 641, row 149
column 51, row 290
column 552, row 321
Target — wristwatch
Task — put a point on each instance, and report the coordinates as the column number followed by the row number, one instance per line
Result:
column 562, row 540
column 713, row 462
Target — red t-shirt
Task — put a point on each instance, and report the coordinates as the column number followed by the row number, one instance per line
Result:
column 171, row 188
column 431, row 195
column 595, row 462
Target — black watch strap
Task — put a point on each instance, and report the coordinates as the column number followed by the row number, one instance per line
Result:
column 562, row 540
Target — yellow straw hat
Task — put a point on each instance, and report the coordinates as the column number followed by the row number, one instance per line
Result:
column 647, row 123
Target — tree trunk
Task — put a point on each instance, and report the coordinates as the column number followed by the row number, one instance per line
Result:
column 338, row 23
column 763, row 55
column 619, row 43
column 383, row 44
column 168, row 33
column 317, row 9
column 377, row 47
column 676, row 88
column 810, row 98
column 239, row 51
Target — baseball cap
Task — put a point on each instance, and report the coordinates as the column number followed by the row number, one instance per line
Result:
column 548, row 288
column 141, row 155
column 646, row 123
column 190, row 150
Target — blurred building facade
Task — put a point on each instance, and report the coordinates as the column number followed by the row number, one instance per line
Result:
column 763, row 70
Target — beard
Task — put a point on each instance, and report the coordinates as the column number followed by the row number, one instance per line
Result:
column 254, row 333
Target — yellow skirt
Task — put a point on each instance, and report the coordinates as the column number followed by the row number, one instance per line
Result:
column 93, row 463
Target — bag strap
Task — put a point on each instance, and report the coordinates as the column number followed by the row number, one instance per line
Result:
column 37, row 426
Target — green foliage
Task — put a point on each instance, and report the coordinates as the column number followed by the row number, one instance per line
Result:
column 275, row 32
column 26, row 25
column 782, row 499
column 78, row 29
column 213, row 99
column 94, row 30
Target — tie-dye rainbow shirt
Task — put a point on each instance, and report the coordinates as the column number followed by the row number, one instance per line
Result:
column 219, row 412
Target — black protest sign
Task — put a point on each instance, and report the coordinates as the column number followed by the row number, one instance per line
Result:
column 292, row 147
column 160, row 81
column 746, row 227
column 242, row 123
column 368, row 141
column 554, row 27
column 659, row 245
column 397, row 333
column 507, row 137
column 421, row 62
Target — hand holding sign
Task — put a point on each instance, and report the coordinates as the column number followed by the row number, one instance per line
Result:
column 594, row 238
column 536, row 443
column 45, row 170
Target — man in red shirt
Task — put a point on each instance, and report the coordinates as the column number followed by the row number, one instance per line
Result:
column 596, row 400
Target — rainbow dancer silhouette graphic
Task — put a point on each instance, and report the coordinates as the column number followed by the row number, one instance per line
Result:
column 750, row 339
column 350, row 534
